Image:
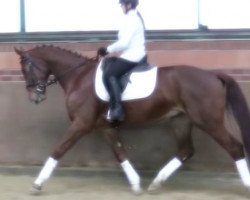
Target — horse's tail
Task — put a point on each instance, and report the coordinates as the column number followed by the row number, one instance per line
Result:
column 238, row 104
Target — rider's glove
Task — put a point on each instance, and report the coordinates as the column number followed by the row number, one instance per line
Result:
column 102, row 51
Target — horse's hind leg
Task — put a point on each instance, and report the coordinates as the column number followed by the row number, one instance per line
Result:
column 121, row 155
column 235, row 149
column 182, row 127
column 185, row 151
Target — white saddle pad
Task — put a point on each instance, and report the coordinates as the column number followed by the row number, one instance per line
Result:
column 141, row 85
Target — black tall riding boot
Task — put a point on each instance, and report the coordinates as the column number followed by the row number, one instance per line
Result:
column 116, row 111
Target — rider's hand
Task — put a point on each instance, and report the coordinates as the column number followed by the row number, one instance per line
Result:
column 102, row 51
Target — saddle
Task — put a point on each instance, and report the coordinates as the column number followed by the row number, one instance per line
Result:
column 140, row 67
column 135, row 84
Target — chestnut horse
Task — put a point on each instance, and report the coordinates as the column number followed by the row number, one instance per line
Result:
column 204, row 96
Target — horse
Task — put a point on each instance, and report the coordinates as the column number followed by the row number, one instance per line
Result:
column 203, row 96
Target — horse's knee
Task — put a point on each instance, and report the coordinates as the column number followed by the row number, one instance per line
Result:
column 185, row 153
column 67, row 142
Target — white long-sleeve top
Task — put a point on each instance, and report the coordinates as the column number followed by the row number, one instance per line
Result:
column 131, row 39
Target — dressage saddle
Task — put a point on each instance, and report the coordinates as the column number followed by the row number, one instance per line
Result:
column 140, row 67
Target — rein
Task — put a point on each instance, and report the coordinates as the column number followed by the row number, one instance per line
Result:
column 38, row 84
column 55, row 79
column 41, row 85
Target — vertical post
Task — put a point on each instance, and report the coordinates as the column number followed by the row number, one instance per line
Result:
column 22, row 16
column 198, row 12
column 201, row 27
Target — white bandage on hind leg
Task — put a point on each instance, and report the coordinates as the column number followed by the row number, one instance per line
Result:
column 133, row 177
column 168, row 170
column 46, row 172
column 243, row 171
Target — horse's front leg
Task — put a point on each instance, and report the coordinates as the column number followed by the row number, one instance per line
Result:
column 121, row 155
column 74, row 133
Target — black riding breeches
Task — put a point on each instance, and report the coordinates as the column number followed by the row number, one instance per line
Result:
column 116, row 67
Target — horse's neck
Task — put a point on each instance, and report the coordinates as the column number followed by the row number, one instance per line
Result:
column 63, row 67
column 60, row 64
column 66, row 72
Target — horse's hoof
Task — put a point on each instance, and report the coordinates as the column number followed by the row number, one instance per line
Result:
column 136, row 189
column 154, row 187
column 36, row 189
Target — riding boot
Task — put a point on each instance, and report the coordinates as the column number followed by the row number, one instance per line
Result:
column 116, row 113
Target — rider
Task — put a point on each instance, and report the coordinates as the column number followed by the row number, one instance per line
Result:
column 131, row 46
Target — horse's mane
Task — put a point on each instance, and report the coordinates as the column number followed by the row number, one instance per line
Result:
column 64, row 51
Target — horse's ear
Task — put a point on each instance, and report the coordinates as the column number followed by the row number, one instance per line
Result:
column 20, row 52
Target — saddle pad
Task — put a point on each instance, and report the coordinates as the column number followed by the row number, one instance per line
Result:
column 141, row 85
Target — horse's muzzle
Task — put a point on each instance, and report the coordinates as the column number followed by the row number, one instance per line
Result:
column 36, row 97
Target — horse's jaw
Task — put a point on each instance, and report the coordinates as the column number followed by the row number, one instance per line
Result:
column 36, row 98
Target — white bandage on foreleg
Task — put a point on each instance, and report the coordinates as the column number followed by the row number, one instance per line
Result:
column 168, row 170
column 243, row 171
column 133, row 177
column 46, row 172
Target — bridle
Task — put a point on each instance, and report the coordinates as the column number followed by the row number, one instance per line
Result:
column 41, row 85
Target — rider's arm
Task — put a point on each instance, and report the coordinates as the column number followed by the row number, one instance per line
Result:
column 125, row 35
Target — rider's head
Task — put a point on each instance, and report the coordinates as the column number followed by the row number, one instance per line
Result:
column 127, row 5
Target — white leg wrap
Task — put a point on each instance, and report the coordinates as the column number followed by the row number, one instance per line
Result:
column 167, row 171
column 46, row 172
column 243, row 171
column 133, row 177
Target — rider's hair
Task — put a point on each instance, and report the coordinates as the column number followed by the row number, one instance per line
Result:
column 133, row 3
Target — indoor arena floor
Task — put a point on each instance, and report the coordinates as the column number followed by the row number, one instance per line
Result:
column 112, row 185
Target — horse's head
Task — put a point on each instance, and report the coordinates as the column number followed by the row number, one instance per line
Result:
column 36, row 73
